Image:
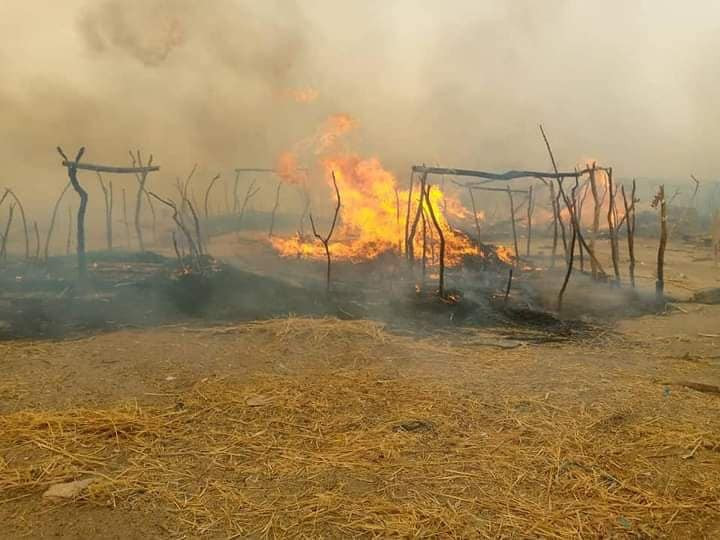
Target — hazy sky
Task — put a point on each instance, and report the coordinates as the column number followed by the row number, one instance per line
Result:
column 462, row 83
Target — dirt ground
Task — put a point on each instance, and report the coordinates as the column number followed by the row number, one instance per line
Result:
column 325, row 428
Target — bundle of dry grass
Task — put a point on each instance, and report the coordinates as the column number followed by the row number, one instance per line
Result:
column 359, row 453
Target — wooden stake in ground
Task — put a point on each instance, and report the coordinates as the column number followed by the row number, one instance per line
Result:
column 236, row 201
column 6, row 234
column 326, row 240
column 24, row 221
column 659, row 201
column 194, row 253
column 198, row 233
column 207, row 194
column 125, row 219
column 142, row 179
column 68, row 242
column 475, row 215
column 274, row 210
column 557, row 218
column 612, row 233
column 72, row 174
column 630, row 227
column 108, row 196
column 37, row 240
column 573, row 237
column 249, row 194
column 409, row 207
column 441, row 236
column 596, row 217
column 154, row 215
column 530, row 209
column 52, row 220
column 512, row 221
column 410, row 242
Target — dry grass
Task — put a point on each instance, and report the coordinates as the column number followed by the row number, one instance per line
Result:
column 325, row 456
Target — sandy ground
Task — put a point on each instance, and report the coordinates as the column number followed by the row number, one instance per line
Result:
column 636, row 371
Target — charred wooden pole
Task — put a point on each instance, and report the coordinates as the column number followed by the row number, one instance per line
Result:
column 573, row 237
column 249, row 194
column 198, row 232
column 53, row 217
column 37, row 240
column 441, row 236
column 125, row 218
column 557, row 218
column 612, row 232
column 407, row 216
column 141, row 179
column 397, row 218
column 514, row 229
column 151, row 205
column 207, row 194
column 24, row 221
column 410, row 242
column 108, row 196
column 8, row 224
column 530, row 208
column 507, row 288
column 326, row 240
column 660, row 283
column 597, row 206
column 68, row 242
column 581, row 206
column 194, row 253
column 72, row 174
column 236, row 200
column 630, row 227
column 475, row 215
column 424, row 247
column 274, row 210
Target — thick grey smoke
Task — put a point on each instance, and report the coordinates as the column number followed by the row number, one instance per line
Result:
column 461, row 83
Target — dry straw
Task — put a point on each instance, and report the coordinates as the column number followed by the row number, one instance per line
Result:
column 358, row 453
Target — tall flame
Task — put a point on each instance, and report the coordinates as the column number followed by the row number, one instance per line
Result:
column 374, row 209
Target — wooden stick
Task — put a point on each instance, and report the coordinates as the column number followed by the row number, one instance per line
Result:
column 530, row 208
column 509, row 175
column 37, row 241
column 3, row 249
column 24, row 221
column 72, row 174
column 507, row 288
column 397, row 218
column 424, row 246
column 68, row 242
column 152, row 212
column 630, row 227
column 197, row 228
column 274, row 210
column 660, row 283
column 52, row 220
column 107, row 195
column 236, row 200
column 596, row 218
column 125, row 219
column 480, row 187
column 326, row 240
column 612, row 233
column 441, row 236
column 514, row 230
column 407, row 217
column 249, row 194
column 571, row 253
column 141, row 179
column 108, row 168
column 475, row 215
column 176, row 218
column 207, row 194
column 413, row 229
column 556, row 205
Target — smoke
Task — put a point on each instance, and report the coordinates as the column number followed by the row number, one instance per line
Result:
column 229, row 83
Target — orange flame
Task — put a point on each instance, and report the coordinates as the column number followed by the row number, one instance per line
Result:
column 373, row 213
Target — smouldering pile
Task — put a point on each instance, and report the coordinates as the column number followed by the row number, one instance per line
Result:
column 361, row 453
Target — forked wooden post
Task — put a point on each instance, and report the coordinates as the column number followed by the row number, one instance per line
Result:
column 72, row 169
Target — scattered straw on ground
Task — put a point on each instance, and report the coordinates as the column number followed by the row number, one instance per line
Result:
column 357, row 453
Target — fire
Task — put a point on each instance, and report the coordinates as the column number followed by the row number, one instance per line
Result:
column 374, row 209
